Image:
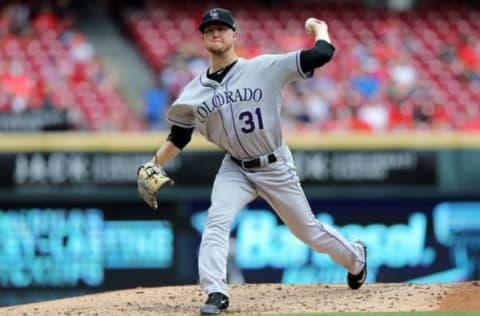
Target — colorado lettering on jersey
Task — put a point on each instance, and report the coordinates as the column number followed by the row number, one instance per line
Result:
column 228, row 97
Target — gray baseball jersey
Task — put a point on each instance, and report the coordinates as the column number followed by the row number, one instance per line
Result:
column 241, row 114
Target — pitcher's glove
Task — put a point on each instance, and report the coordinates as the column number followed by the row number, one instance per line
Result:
column 150, row 179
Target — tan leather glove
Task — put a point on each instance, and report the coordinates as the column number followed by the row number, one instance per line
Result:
column 150, row 179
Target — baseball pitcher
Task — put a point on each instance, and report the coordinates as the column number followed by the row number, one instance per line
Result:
column 236, row 104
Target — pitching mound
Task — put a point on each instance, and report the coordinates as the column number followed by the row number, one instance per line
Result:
column 266, row 298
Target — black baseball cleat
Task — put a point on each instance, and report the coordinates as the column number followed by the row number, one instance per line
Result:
column 357, row 280
column 215, row 303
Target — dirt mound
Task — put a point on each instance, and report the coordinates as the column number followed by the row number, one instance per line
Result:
column 266, row 298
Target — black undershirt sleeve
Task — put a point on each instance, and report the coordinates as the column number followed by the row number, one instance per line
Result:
column 180, row 136
column 317, row 56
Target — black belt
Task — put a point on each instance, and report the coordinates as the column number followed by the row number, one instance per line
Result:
column 254, row 163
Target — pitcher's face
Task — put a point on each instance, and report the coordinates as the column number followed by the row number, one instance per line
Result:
column 219, row 38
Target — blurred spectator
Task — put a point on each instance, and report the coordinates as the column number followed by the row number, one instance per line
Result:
column 387, row 72
column 391, row 71
column 18, row 86
column 469, row 56
column 447, row 52
column 18, row 17
column 403, row 78
column 401, row 116
column 365, row 82
column 297, row 109
column 81, row 50
column 157, row 100
column 45, row 19
column 177, row 73
column 317, row 107
column 46, row 64
column 375, row 113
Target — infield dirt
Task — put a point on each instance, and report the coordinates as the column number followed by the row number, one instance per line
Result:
column 253, row 299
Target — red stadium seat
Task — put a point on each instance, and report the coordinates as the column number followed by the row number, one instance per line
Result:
column 418, row 35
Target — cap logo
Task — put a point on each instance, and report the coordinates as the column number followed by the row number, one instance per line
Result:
column 214, row 15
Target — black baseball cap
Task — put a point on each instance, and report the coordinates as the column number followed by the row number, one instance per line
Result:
column 217, row 15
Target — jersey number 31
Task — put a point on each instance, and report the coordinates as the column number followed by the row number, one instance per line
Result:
column 248, row 119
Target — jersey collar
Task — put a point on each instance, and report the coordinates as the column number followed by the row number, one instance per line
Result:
column 207, row 82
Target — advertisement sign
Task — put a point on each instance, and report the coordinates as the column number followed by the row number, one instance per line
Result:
column 83, row 246
column 56, row 248
column 388, row 167
column 408, row 240
column 34, row 120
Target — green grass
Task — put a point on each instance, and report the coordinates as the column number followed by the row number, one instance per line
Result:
column 477, row 313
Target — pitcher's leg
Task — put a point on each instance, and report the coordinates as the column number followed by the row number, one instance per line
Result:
column 291, row 205
column 231, row 192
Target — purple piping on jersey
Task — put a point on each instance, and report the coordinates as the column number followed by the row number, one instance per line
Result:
column 206, row 84
column 299, row 67
column 233, row 118
column 180, row 123
column 223, row 124
column 318, row 224
column 224, row 130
